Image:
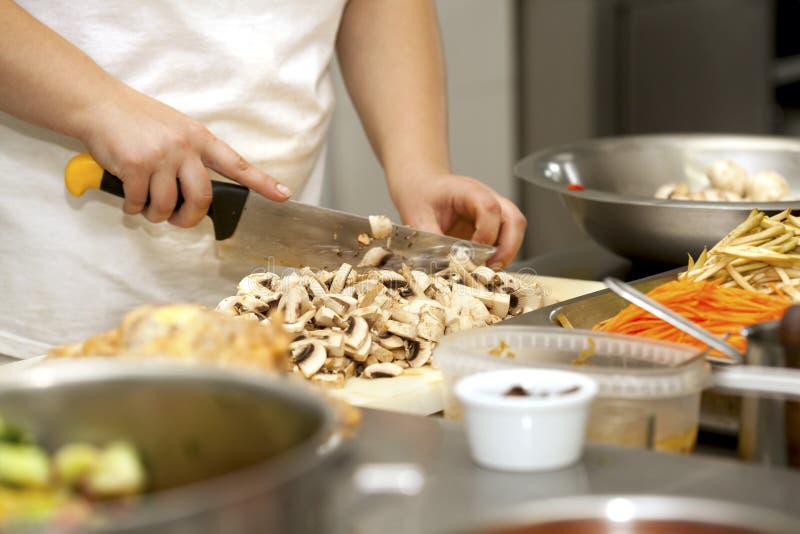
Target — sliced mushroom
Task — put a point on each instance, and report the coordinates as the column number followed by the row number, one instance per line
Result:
column 382, row 370
column 505, row 282
column 403, row 316
column 382, row 354
column 369, row 313
column 459, row 268
column 496, row 303
column 309, row 356
column 314, row 287
column 341, row 304
column 525, row 299
column 391, row 279
column 357, row 332
column 326, row 317
column 335, row 364
column 484, row 275
column 364, row 239
column 423, row 354
column 408, row 331
column 390, row 342
column 463, row 255
column 366, row 290
column 259, row 284
column 340, row 279
column 229, row 306
column 300, row 324
column 254, row 304
column 361, row 353
column 332, row 340
column 292, row 302
column 325, row 277
column 375, row 257
column 347, row 321
column 380, row 225
column 329, row 380
column 430, row 327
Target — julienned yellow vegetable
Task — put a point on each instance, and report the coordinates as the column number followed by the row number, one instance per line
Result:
column 723, row 311
column 762, row 255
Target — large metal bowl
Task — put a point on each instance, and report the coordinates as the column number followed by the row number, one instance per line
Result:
column 225, row 451
column 629, row 514
column 620, row 176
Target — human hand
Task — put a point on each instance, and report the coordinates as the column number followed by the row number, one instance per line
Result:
column 151, row 147
column 462, row 207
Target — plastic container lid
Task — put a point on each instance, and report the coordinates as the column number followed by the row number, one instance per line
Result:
column 625, row 367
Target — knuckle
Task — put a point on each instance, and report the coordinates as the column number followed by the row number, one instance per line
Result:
column 241, row 164
column 200, row 200
column 195, row 130
column 490, row 204
column 129, row 166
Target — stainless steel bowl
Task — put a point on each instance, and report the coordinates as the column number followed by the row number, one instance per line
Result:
column 620, row 176
column 225, row 451
column 637, row 514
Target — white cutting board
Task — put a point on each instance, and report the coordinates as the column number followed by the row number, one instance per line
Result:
column 419, row 391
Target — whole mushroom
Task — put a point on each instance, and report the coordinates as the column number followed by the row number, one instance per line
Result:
column 767, row 186
column 726, row 175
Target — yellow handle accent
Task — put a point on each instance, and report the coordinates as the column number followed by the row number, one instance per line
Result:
column 82, row 173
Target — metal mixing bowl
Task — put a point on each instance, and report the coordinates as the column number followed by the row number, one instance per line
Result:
column 225, row 451
column 632, row 514
column 620, row 176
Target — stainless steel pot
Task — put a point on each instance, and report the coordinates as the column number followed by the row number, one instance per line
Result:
column 620, row 176
column 226, row 451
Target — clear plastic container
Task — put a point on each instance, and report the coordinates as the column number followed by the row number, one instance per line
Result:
column 649, row 391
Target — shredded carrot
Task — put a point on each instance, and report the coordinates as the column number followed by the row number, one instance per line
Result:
column 723, row 311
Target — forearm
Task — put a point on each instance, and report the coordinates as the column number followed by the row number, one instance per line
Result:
column 46, row 80
column 391, row 59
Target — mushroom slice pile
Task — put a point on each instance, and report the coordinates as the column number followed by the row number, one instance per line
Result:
column 378, row 322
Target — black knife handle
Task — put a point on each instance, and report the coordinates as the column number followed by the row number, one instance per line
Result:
column 225, row 209
column 227, row 203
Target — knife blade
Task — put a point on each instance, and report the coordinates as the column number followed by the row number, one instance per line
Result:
column 252, row 229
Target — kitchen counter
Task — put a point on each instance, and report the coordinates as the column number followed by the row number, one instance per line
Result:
column 457, row 494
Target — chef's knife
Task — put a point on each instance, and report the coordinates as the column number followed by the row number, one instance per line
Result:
column 255, row 230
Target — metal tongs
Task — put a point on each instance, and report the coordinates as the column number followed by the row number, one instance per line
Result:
column 681, row 323
column 774, row 378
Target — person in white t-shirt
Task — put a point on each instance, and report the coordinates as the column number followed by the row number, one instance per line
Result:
column 161, row 92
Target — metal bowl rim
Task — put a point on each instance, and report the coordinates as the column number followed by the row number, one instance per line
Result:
column 667, row 139
column 201, row 497
column 650, row 507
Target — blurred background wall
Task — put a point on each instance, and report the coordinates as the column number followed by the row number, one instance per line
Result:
column 527, row 74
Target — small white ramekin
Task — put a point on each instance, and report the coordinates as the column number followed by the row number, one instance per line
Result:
column 525, row 433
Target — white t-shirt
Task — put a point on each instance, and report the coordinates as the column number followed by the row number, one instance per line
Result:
column 256, row 73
